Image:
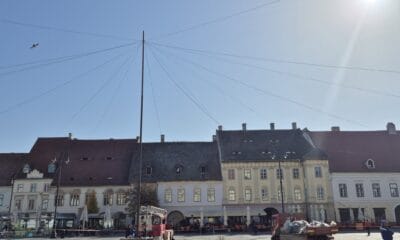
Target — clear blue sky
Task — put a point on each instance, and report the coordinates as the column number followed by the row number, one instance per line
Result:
column 357, row 33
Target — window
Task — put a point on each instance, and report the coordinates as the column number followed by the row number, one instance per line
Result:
column 320, row 193
column 297, row 194
column 231, row 174
column 263, row 173
column 343, row 190
column 20, row 187
column 178, row 169
column 211, row 195
column 360, row 190
column 247, row 194
column 60, row 200
column 31, row 204
column 18, row 204
column 376, row 190
column 247, row 174
column 197, row 195
column 121, row 198
column 318, row 172
column 296, row 173
column 181, row 195
column 149, row 170
column 107, row 198
column 46, row 187
column 370, row 164
column 279, row 173
column 33, row 187
column 45, row 204
column 1, row 199
column 231, row 195
column 109, row 158
column 74, row 200
column 394, row 190
column 203, row 170
column 168, row 195
column 264, row 194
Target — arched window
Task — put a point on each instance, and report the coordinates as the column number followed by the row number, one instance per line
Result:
column 370, row 163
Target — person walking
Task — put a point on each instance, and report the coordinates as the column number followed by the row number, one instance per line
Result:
column 386, row 233
column 368, row 227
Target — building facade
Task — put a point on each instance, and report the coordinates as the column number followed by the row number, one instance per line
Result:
column 365, row 173
column 254, row 162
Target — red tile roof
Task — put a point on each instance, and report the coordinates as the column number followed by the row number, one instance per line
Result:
column 10, row 164
column 92, row 162
column 348, row 151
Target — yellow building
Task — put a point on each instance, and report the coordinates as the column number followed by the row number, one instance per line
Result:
column 250, row 162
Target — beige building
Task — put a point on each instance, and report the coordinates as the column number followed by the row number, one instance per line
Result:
column 251, row 176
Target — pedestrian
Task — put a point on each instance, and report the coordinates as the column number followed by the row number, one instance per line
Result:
column 386, row 233
column 368, row 228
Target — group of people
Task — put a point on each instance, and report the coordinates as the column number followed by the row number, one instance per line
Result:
column 130, row 232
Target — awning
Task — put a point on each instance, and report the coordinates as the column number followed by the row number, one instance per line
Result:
column 66, row 216
column 96, row 215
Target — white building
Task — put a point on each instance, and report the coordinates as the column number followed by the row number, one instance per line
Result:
column 365, row 173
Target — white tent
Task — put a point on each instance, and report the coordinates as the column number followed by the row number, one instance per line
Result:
column 107, row 217
column 84, row 216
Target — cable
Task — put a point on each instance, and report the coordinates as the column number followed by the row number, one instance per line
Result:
column 98, row 91
column 297, row 76
column 283, row 61
column 8, row 21
column 63, row 59
column 216, row 20
column 153, row 95
column 188, row 95
column 226, row 94
column 36, row 97
column 268, row 93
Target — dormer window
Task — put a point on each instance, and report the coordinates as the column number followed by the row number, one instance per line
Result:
column 370, row 164
column 178, row 169
column 149, row 170
column 84, row 158
column 109, row 158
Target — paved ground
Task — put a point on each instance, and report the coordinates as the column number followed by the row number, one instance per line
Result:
column 339, row 236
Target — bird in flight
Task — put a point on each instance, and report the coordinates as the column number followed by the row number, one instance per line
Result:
column 34, row 45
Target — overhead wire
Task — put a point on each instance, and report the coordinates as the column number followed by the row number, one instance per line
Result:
column 98, row 91
column 64, row 59
column 216, row 20
column 153, row 94
column 271, row 94
column 226, row 94
column 275, row 60
column 294, row 75
column 37, row 26
column 53, row 89
column 190, row 96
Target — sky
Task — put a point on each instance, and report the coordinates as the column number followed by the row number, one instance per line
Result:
column 207, row 63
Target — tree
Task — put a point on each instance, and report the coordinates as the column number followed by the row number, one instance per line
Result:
column 92, row 203
column 148, row 196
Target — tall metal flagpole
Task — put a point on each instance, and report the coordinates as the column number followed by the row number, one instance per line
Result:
column 141, row 143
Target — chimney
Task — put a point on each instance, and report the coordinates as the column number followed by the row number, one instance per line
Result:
column 391, row 128
column 244, row 127
column 272, row 126
column 162, row 138
column 70, row 136
column 294, row 125
column 137, row 139
column 214, row 138
column 335, row 129
column 220, row 128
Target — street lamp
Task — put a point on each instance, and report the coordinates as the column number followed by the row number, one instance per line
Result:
column 53, row 169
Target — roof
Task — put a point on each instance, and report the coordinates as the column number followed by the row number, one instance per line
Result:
column 164, row 159
column 10, row 165
column 260, row 145
column 91, row 162
column 348, row 151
